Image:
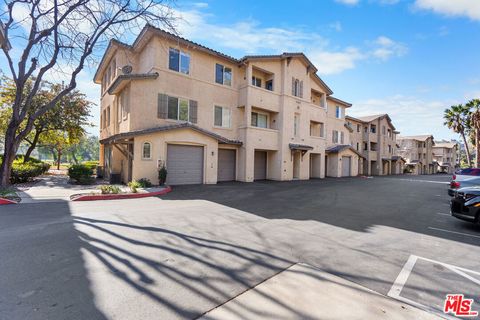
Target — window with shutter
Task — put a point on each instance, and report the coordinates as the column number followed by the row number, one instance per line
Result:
column 293, row 86
column 300, row 91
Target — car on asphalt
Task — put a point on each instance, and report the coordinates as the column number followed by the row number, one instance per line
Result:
column 466, row 173
column 465, row 204
column 456, row 185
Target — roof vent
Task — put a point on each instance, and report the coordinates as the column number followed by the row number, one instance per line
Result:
column 127, row 69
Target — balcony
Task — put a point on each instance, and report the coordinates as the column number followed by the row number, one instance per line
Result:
column 259, row 97
column 261, row 138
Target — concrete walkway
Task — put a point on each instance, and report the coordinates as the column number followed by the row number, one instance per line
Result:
column 52, row 188
column 304, row 292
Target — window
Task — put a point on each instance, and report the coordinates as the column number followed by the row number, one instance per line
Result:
column 178, row 109
column 335, row 136
column 365, row 146
column 389, row 149
column 373, row 128
column 123, row 105
column 147, row 150
column 296, row 125
column 107, row 120
column 338, row 112
column 383, row 130
column 179, row 61
column 222, row 117
column 257, row 82
column 223, row 75
column 358, row 128
column 316, row 129
column 358, row 146
column 365, row 129
column 259, row 120
column 342, row 141
column 297, row 88
column 269, row 85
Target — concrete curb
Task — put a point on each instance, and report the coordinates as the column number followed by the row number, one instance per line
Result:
column 95, row 197
column 7, row 201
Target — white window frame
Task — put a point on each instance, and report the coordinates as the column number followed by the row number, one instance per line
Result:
column 178, row 108
column 296, row 88
column 338, row 112
column 263, row 114
column 181, row 54
column 143, row 150
column 223, row 74
column 229, row 124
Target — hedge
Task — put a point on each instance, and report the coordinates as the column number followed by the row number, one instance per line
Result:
column 24, row 172
column 91, row 164
column 81, row 173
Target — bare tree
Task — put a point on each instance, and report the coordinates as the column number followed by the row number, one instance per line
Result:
column 59, row 35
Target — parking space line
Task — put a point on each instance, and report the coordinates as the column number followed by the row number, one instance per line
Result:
column 455, row 232
column 444, row 214
column 402, row 277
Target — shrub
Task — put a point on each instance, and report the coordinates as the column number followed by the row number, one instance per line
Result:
column 109, row 189
column 144, row 183
column 91, row 164
column 134, row 185
column 162, row 175
column 81, row 173
column 24, row 172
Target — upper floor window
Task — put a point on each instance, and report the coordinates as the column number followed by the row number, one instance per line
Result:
column 383, row 130
column 257, row 82
column 259, row 120
column 373, row 128
column 107, row 120
column 222, row 117
column 147, row 150
column 335, row 136
column 358, row 128
column 223, row 75
column 179, row 61
column 123, row 110
column 338, row 112
column 297, row 87
column 296, row 125
column 317, row 129
column 177, row 109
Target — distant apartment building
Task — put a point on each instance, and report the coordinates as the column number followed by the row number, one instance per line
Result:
column 418, row 153
column 375, row 137
column 209, row 117
column 445, row 153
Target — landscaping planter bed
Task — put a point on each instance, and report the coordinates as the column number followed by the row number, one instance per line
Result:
column 99, row 196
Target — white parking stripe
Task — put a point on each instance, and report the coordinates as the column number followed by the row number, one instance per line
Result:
column 414, row 180
column 444, row 214
column 455, row 232
column 402, row 277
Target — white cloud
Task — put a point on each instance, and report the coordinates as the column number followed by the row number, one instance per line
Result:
column 467, row 8
column 337, row 26
column 386, row 48
column 348, row 2
column 410, row 115
column 331, row 62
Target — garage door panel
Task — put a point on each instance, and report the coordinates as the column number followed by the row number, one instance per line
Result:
column 226, row 165
column 184, row 164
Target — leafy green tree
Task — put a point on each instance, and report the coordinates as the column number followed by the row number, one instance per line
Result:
column 458, row 118
column 87, row 149
column 474, row 106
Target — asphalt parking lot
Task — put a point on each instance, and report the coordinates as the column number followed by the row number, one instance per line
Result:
column 193, row 249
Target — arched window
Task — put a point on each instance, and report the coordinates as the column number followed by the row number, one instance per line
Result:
column 147, row 150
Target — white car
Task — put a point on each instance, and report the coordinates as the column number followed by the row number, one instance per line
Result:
column 468, row 173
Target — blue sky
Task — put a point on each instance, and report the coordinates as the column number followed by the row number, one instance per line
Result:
column 408, row 58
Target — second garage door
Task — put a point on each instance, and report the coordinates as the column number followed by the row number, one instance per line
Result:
column 226, row 165
column 184, row 164
column 346, row 166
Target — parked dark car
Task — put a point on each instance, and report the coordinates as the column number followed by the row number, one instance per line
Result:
column 455, row 185
column 465, row 204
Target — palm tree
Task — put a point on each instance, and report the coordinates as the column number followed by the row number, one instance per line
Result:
column 475, row 123
column 458, row 119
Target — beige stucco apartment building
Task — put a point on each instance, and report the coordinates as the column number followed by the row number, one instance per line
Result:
column 445, row 154
column 376, row 138
column 209, row 117
column 418, row 153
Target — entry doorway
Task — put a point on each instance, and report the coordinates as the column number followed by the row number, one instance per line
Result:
column 296, row 164
column 315, row 165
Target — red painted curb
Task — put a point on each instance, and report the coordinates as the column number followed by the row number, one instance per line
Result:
column 94, row 197
column 7, row 201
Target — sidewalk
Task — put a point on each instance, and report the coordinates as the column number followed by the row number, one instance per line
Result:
column 52, row 188
column 304, row 292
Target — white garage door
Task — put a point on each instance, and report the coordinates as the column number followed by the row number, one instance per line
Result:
column 226, row 165
column 184, row 164
column 346, row 166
